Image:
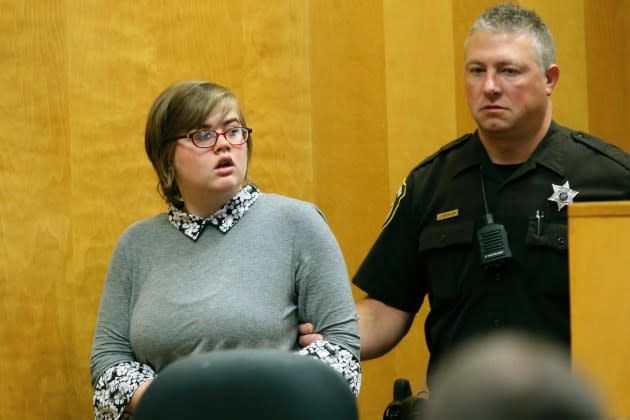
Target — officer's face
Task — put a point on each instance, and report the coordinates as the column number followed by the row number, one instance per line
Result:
column 507, row 92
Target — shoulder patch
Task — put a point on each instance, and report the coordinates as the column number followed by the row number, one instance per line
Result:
column 402, row 191
column 615, row 153
column 444, row 149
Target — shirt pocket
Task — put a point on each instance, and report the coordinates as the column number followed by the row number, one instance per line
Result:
column 446, row 253
column 547, row 253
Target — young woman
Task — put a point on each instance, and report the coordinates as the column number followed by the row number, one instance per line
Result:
column 226, row 267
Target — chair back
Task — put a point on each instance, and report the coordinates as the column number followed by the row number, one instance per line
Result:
column 248, row 384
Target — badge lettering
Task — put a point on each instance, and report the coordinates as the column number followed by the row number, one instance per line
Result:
column 447, row 215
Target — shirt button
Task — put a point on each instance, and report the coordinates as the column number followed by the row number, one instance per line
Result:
column 561, row 240
column 497, row 323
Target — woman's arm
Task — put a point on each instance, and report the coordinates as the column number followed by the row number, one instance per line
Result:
column 325, row 298
column 119, row 390
column 116, row 376
column 339, row 359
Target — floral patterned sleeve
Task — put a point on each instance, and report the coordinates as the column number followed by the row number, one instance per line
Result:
column 114, row 389
column 339, row 359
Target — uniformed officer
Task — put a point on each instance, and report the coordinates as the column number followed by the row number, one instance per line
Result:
column 480, row 227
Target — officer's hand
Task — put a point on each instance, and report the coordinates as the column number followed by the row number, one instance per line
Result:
column 307, row 335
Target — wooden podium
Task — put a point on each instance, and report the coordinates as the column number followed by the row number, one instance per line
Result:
column 599, row 272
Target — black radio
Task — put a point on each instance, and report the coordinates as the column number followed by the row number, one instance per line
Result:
column 405, row 405
column 492, row 237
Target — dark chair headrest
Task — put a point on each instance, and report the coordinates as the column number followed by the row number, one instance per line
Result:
column 248, row 384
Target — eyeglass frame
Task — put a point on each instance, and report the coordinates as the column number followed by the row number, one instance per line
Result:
column 218, row 133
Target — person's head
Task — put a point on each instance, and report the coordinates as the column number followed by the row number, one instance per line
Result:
column 181, row 166
column 510, row 376
column 512, row 18
column 510, row 70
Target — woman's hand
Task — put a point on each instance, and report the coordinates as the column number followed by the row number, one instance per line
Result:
column 135, row 398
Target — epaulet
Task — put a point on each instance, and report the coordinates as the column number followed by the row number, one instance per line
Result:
column 444, row 149
column 606, row 149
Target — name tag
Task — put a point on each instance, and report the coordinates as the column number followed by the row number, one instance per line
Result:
column 447, row 215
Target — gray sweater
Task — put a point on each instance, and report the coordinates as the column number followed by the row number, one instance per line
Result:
column 166, row 296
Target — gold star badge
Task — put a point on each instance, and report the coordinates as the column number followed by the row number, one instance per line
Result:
column 562, row 195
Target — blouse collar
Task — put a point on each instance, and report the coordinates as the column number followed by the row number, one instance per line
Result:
column 223, row 219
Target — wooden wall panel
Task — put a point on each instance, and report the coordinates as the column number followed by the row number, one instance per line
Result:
column 276, row 95
column 110, row 66
column 570, row 97
column 344, row 100
column 420, row 117
column 419, row 86
column 348, row 118
column 35, row 219
column 608, row 69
